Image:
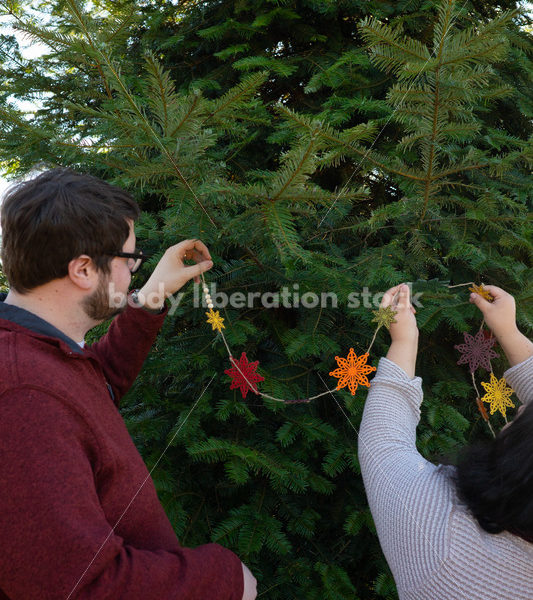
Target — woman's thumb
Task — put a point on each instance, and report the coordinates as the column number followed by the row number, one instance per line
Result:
column 478, row 300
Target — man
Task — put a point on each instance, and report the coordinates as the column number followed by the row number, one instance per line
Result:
column 80, row 517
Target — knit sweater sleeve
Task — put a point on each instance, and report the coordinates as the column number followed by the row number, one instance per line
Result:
column 520, row 378
column 56, row 540
column 409, row 497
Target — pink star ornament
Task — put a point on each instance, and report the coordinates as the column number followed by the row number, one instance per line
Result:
column 477, row 351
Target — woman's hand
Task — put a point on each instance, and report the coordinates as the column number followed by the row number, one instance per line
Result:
column 399, row 299
column 499, row 315
column 404, row 333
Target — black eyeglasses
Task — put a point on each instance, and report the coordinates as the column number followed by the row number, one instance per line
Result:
column 135, row 259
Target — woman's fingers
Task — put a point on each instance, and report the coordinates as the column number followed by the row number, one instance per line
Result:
column 404, row 298
column 390, row 296
column 494, row 290
column 398, row 298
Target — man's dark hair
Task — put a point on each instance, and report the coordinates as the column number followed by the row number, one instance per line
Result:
column 495, row 479
column 55, row 217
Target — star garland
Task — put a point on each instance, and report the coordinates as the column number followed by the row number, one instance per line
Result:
column 479, row 289
column 215, row 319
column 384, row 316
column 477, row 351
column 351, row 371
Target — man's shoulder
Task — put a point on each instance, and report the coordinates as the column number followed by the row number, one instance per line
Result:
column 33, row 360
column 43, row 386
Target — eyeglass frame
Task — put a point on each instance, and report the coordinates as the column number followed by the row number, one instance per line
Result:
column 139, row 257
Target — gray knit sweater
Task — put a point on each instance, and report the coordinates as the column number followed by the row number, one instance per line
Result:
column 435, row 548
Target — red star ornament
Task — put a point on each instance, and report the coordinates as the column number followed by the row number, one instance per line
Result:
column 245, row 376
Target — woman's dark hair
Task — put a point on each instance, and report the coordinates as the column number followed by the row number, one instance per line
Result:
column 55, row 217
column 495, row 479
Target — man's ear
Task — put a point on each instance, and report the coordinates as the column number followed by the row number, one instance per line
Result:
column 83, row 273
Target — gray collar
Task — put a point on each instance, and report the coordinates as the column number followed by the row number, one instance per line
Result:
column 27, row 319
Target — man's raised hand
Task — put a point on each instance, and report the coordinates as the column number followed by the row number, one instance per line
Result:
column 171, row 273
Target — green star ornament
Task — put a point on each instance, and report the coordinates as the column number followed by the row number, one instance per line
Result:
column 384, row 316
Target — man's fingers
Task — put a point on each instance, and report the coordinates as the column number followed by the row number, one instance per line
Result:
column 192, row 250
column 194, row 271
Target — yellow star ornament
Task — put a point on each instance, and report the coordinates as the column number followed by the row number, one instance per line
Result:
column 352, row 371
column 498, row 394
column 214, row 318
column 479, row 289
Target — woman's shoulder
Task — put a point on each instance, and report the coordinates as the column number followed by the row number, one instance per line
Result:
column 466, row 548
column 447, row 475
column 466, row 536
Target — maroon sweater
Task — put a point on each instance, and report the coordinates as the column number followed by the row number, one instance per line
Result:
column 69, row 472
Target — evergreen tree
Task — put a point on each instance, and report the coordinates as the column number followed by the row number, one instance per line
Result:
column 377, row 155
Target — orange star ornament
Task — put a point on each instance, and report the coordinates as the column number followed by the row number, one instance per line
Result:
column 352, row 371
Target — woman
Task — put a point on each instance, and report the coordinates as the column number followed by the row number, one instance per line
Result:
column 450, row 533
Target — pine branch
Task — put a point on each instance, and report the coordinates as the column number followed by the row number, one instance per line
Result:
column 130, row 99
column 389, row 49
column 297, row 165
column 280, row 223
column 235, row 97
column 443, row 25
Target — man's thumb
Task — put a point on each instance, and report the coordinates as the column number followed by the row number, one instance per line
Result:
column 197, row 269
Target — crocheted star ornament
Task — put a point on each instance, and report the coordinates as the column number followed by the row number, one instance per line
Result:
column 384, row 316
column 216, row 321
column 248, row 372
column 479, row 289
column 498, row 393
column 477, row 351
column 352, row 371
